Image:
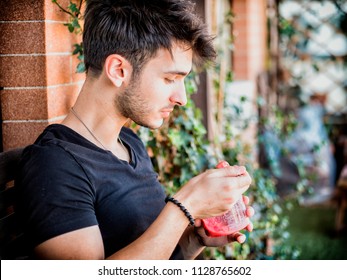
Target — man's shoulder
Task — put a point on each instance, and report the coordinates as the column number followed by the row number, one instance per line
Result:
column 44, row 155
column 55, row 132
column 47, row 145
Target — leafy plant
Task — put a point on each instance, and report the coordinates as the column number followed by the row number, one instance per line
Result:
column 74, row 10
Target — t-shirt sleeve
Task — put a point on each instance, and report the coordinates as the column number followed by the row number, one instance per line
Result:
column 55, row 193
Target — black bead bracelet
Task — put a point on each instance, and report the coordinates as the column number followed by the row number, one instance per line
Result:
column 179, row 204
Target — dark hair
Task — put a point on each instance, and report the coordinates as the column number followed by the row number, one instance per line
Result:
column 137, row 29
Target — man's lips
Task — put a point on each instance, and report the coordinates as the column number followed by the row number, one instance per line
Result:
column 166, row 112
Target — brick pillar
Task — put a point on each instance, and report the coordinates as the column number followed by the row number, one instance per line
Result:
column 37, row 71
column 250, row 38
column 248, row 60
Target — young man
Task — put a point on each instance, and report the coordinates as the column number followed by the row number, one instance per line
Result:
column 87, row 186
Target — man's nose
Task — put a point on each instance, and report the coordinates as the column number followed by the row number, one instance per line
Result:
column 179, row 96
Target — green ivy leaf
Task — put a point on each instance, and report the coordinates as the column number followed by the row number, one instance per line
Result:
column 70, row 27
column 81, row 68
column 73, row 8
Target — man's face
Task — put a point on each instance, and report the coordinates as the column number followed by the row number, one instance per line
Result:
column 152, row 95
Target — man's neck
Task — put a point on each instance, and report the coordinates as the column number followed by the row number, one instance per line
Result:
column 95, row 118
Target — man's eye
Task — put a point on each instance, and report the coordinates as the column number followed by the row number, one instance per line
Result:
column 169, row 81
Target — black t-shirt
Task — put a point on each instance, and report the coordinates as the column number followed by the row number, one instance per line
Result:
column 68, row 183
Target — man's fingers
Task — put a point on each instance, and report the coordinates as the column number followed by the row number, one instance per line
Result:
column 245, row 199
column 249, row 211
column 234, row 171
column 237, row 236
column 249, row 227
column 198, row 222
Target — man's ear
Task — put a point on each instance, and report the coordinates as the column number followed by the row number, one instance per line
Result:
column 117, row 69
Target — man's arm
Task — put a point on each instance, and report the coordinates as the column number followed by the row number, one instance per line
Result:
column 158, row 242
column 209, row 194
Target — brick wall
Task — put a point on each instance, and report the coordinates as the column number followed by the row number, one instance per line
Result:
column 249, row 57
column 37, row 71
column 249, row 29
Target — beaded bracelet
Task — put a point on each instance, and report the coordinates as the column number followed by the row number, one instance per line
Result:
column 179, row 204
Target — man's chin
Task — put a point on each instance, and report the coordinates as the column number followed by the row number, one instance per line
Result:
column 157, row 125
column 151, row 125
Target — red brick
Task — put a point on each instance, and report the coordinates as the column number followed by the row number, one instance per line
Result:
column 61, row 99
column 241, row 43
column 20, row 134
column 22, row 71
column 22, row 37
column 59, row 39
column 241, row 70
column 52, row 12
column 21, row 10
column 250, row 38
column 239, row 6
column 24, row 104
column 58, row 69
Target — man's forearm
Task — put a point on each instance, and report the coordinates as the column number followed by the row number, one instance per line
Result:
column 190, row 245
column 160, row 239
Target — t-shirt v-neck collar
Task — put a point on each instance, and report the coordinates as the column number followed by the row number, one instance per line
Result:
column 132, row 161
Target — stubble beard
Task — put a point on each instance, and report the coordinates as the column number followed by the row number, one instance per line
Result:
column 132, row 105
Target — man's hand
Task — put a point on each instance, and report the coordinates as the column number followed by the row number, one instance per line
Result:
column 205, row 240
